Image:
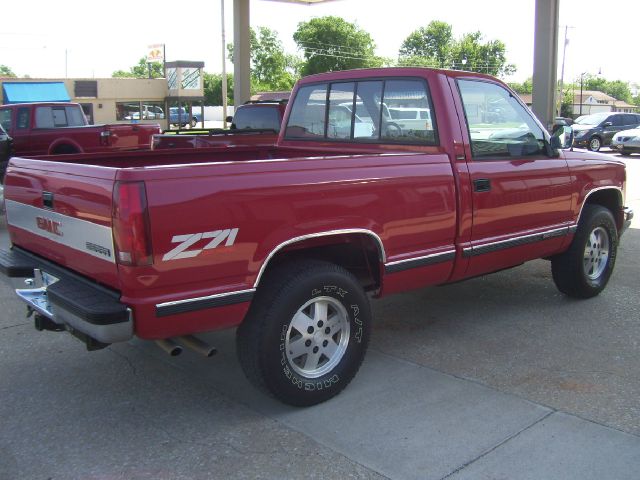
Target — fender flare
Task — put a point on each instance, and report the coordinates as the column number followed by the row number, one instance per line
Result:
column 64, row 141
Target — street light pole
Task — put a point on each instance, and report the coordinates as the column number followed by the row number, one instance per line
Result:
column 581, row 84
column 224, row 72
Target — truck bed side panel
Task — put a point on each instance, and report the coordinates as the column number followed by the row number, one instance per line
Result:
column 214, row 236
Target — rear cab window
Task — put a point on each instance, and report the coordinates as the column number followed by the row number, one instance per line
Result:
column 59, row 116
column 390, row 110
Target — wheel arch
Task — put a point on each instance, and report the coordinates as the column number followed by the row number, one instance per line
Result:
column 609, row 198
column 359, row 251
column 62, row 144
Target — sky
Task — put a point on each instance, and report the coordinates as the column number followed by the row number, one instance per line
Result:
column 91, row 40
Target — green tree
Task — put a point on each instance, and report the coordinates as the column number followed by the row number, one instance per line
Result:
column 616, row 88
column 434, row 46
column 331, row 43
column 213, row 89
column 271, row 67
column 141, row 70
column 525, row 87
column 432, row 42
column 6, row 72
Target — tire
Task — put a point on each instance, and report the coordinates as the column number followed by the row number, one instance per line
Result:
column 595, row 143
column 392, row 130
column 585, row 268
column 306, row 332
column 65, row 150
column 194, row 122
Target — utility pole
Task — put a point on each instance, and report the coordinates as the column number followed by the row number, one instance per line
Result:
column 224, row 72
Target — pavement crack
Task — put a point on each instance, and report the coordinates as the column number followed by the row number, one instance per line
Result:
column 126, row 359
column 495, row 447
column 16, row 325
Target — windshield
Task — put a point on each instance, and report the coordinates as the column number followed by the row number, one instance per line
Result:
column 594, row 119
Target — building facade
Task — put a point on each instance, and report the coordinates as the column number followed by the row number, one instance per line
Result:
column 123, row 100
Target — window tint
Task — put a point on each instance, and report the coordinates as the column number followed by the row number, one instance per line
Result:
column 44, row 117
column 307, row 118
column 75, row 117
column 616, row 120
column 22, row 118
column 5, row 119
column 629, row 120
column 368, row 103
column 372, row 120
column 257, row 117
column 340, row 110
column 409, row 100
column 59, row 117
column 499, row 126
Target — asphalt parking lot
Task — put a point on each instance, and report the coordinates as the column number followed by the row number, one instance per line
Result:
column 499, row 377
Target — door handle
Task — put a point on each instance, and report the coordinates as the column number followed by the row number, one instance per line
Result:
column 481, row 185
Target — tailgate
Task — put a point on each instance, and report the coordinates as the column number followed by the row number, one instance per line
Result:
column 128, row 136
column 62, row 212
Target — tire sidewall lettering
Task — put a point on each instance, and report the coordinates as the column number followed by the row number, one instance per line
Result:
column 332, row 377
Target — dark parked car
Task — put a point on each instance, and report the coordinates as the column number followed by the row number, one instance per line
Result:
column 596, row 130
column 5, row 151
column 259, row 115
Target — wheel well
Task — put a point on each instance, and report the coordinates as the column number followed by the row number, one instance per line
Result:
column 64, row 149
column 611, row 199
column 360, row 254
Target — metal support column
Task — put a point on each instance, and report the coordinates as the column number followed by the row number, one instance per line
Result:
column 545, row 60
column 241, row 52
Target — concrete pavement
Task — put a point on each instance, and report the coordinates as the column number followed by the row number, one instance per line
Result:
column 497, row 377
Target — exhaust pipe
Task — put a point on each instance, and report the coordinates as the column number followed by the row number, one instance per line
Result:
column 197, row 345
column 169, row 346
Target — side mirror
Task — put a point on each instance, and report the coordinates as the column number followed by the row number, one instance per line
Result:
column 562, row 138
column 607, row 124
column 229, row 119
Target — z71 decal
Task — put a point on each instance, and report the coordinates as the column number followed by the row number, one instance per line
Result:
column 185, row 242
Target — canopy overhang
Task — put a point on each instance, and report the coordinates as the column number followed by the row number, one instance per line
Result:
column 30, row 92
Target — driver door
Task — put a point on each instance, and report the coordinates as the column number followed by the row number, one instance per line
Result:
column 521, row 196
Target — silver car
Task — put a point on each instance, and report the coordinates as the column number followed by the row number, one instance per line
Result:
column 627, row 141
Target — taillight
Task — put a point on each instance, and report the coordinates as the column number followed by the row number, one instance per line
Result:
column 131, row 231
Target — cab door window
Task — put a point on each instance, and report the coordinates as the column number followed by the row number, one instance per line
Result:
column 499, row 126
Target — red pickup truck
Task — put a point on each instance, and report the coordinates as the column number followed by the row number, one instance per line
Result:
column 61, row 128
column 288, row 242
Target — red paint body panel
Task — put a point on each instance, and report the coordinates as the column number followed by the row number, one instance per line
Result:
column 411, row 204
column 32, row 141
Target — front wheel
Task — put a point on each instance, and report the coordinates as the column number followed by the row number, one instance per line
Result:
column 585, row 268
column 595, row 144
column 306, row 333
column 194, row 122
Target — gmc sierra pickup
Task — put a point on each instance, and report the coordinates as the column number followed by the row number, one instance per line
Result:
column 288, row 243
column 61, row 128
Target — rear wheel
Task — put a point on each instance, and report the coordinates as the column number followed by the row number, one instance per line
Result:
column 584, row 269
column 306, row 333
column 194, row 122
